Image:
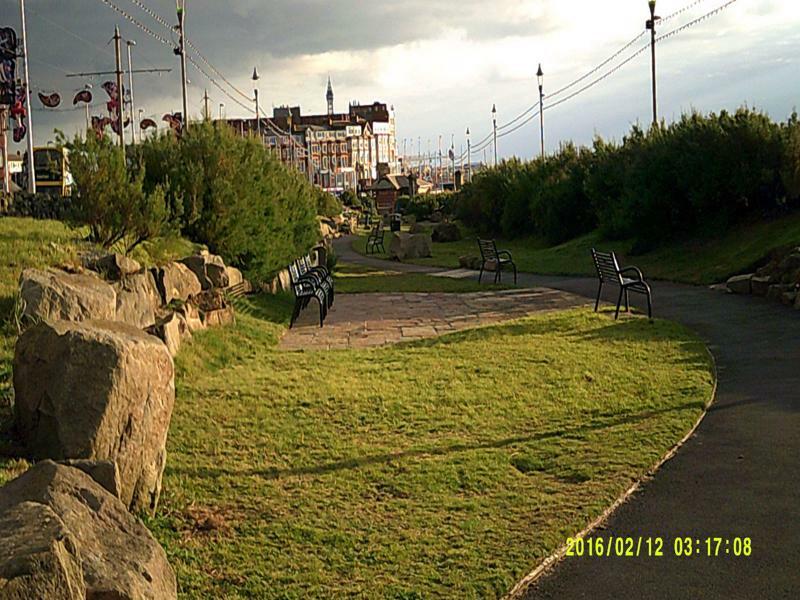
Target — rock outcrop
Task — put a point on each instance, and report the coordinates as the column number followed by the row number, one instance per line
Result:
column 138, row 300
column 114, row 266
column 53, row 294
column 97, row 390
column 66, row 537
column 778, row 280
column 209, row 269
column 175, row 281
column 446, row 232
column 406, row 245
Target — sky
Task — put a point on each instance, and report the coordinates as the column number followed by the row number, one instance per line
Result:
column 441, row 64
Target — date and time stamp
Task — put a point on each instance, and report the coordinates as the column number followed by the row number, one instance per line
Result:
column 646, row 546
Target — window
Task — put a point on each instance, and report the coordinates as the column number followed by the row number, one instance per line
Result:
column 342, row 147
column 325, row 164
column 344, row 162
column 315, row 148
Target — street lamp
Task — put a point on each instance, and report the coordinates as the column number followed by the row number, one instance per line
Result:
column 494, row 132
column 139, row 115
column 540, row 78
column 130, row 44
column 651, row 25
column 221, row 106
column 258, row 114
column 469, row 157
column 87, row 88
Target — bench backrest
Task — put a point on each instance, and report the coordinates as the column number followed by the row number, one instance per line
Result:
column 377, row 233
column 607, row 266
column 488, row 249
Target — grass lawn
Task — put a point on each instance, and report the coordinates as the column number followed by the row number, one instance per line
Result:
column 355, row 279
column 443, row 468
column 697, row 261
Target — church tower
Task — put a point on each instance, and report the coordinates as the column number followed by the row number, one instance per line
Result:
column 329, row 96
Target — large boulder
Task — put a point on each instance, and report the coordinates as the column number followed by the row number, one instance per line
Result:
column 97, row 390
column 215, row 310
column 446, row 232
column 406, row 245
column 113, row 266
column 740, row 284
column 39, row 558
column 65, row 536
column 175, row 281
column 469, row 262
column 55, row 295
column 137, row 300
column 234, row 276
column 759, row 285
column 171, row 330
column 209, row 269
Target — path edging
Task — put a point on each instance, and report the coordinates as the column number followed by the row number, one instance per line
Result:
column 549, row 562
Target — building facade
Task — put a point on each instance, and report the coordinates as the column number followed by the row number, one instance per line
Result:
column 336, row 151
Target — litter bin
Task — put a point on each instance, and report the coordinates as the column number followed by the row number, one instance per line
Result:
column 395, row 222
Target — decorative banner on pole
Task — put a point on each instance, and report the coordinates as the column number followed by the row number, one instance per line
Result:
column 50, row 100
column 84, row 96
column 148, row 124
column 8, row 66
column 175, row 121
column 18, row 112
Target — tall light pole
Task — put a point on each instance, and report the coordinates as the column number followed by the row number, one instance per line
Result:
column 255, row 78
column 87, row 88
column 129, row 44
column 651, row 25
column 181, row 51
column 221, row 106
column 139, row 114
column 540, row 77
column 494, row 131
column 469, row 157
column 28, row 105
column 120, row 95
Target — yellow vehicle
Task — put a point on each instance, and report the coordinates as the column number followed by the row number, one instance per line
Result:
column 52, row 171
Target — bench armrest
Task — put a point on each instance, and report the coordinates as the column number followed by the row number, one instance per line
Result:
column 633, row 270
column 504, row 253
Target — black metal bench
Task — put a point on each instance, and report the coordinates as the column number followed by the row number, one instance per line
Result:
column 310, row 283
column 609, row 272
column 375, row 240
column 500, row 258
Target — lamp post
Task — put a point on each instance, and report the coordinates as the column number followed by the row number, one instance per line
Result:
column 651, row 25
column 129, row 44
column 494, row 132
column 255, row 78
column 28, row 106
column 469, row 157
column 221, row 106
column 181, row 51
column 540, row 78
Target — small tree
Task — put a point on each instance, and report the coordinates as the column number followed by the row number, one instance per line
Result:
column 110, row 199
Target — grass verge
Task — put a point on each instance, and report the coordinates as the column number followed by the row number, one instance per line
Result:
column 443, row 468
column 700, row 261
column 356, row 279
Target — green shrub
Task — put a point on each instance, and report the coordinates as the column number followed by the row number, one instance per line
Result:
column 328, row 205
column 350, row 198
column 235, row 197
column 110, row 198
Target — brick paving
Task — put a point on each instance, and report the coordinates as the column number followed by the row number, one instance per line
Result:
column 364, row 320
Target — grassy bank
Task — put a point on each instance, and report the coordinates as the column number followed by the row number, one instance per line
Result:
column 444, row 468
column 357, row 279
column 701, row 261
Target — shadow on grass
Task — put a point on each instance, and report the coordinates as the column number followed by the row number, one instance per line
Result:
column 384, row 458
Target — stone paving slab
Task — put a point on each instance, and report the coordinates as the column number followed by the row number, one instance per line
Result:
column 366, row 320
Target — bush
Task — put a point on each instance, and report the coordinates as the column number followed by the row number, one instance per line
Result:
column 110, row 198
column 421, row 207
column 328, row 205
column 350, row 198
column 699, row 175
column 232, row 195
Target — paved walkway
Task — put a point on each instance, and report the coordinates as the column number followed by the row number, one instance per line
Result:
column 737, row 476
column 362, row 320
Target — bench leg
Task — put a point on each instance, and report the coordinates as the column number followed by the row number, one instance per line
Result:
column 295, row 312
column 627, row 302
column 498, row 274
column 597, row 302
column 322, row 312
column 480, row 275
column 619, row 303
column 515, row 273
column 649, row 306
